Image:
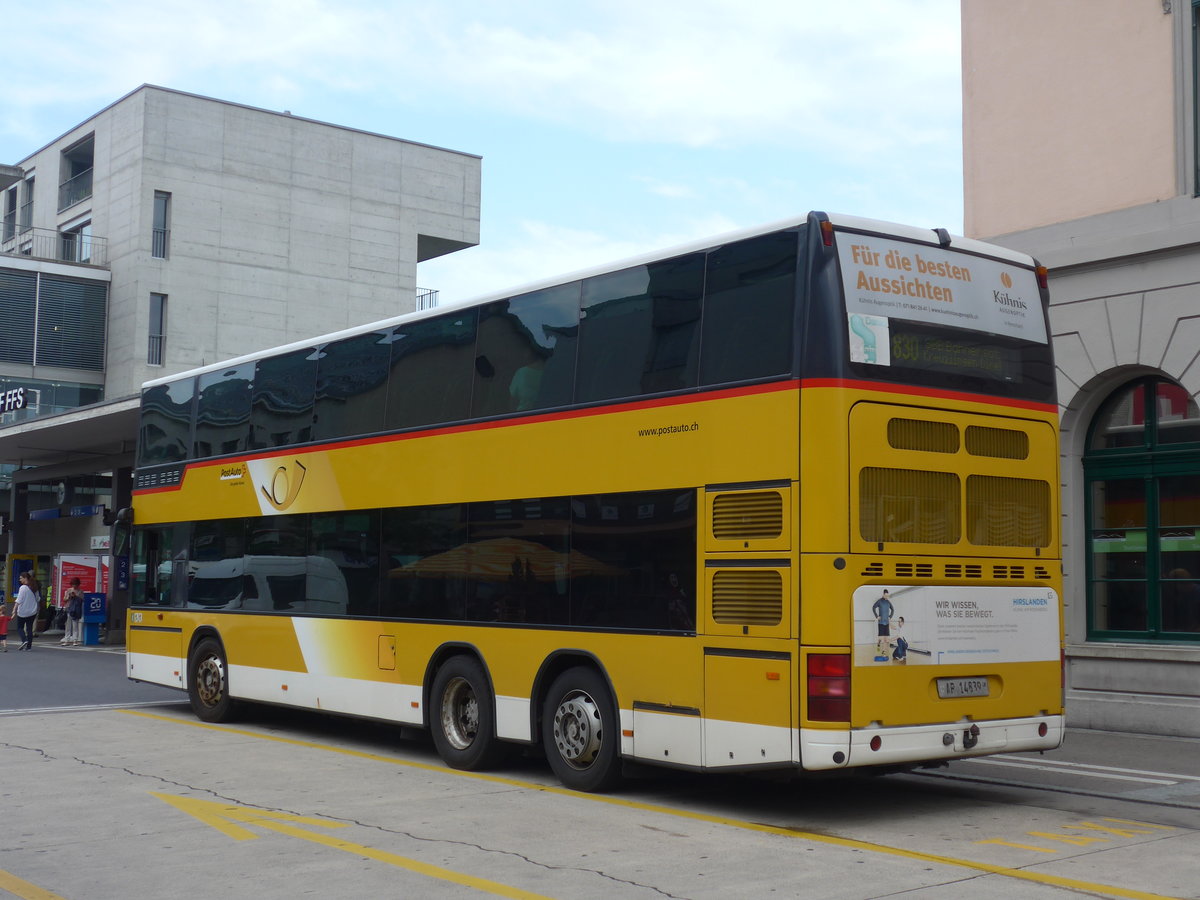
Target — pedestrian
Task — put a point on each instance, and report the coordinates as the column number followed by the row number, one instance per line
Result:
column 74, row 600
column 28, row 601
column 5, row 618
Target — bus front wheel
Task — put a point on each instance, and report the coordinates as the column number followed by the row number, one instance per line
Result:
column 464, row 727
column 208, row 682
column 580, row 731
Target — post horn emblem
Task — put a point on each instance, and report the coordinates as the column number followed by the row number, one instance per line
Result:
column 284, row 486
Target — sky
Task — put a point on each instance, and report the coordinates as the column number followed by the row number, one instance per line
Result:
column 607, row 128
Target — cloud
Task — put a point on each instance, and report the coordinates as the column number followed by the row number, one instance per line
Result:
column 650, row 123
column 706, row 73
column 666, row 189
column 858, row 76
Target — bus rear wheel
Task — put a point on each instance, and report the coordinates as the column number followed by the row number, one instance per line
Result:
column 464, row 727
column 580, row 731
column 208, row 682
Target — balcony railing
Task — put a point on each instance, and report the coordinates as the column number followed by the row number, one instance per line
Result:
column 43, row 243
column 75, row 189
column 426, row 298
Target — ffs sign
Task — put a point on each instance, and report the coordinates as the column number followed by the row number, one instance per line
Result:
column 12, row 400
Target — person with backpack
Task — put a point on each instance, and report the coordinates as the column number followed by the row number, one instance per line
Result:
column 74, row 598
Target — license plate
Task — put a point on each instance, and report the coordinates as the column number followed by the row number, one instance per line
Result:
column 962, row 687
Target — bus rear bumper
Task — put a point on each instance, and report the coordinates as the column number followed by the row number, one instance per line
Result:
column 914, row 744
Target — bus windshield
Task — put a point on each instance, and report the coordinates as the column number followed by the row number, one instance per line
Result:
column 944, row 318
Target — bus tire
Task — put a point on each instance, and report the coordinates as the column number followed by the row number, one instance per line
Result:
column 580, row 731
column 464, row 715
column 208, row 682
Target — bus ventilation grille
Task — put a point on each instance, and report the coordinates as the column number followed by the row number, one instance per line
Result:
column 999, row 443
column 972, row 571
column 746, row 516
column 747, row 597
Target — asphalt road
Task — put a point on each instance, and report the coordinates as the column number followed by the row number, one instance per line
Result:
column 51, row 676
column 114, row 790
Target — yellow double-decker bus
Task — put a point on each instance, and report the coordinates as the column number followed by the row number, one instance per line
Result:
column 785, row 499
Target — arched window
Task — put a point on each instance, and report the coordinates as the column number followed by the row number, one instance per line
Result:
column 1142, row 468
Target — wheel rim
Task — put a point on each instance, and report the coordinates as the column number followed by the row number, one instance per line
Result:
column 460, row 713
column 210, row 680
column 578, row 730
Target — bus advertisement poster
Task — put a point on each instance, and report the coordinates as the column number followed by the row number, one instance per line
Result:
column 885, row 277
column 948, row 625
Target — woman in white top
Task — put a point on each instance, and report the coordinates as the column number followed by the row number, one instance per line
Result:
column 27, row 608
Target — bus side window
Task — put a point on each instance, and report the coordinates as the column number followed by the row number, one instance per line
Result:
column 640, row 332
column 430, row 376
column 165, row 428
column 223, row 411
column 352, row 377
column 282, row 407
column 529, row 344
column 749, row 309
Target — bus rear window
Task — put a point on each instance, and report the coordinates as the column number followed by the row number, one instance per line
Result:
column 918, row 313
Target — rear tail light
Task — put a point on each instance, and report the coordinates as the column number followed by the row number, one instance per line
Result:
column 826, row 232
column 1043, row 277
column 828, row 684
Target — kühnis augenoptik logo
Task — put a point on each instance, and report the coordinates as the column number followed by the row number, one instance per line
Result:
column 1010, row 301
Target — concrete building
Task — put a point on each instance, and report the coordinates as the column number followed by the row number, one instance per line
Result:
column 1080, row 147
column 168, row 231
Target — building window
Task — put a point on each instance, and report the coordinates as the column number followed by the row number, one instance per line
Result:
column 76, row 243
column 158, row 329
column 26, row 220
column 162, row 225
column 75, row 173
column 10, row 214
column 70, row 323
column 1143, row 513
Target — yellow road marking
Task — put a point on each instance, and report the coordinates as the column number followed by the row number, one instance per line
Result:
column 1029, row 847
column 847, row 843
column 23, row 889
column 222, row 816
